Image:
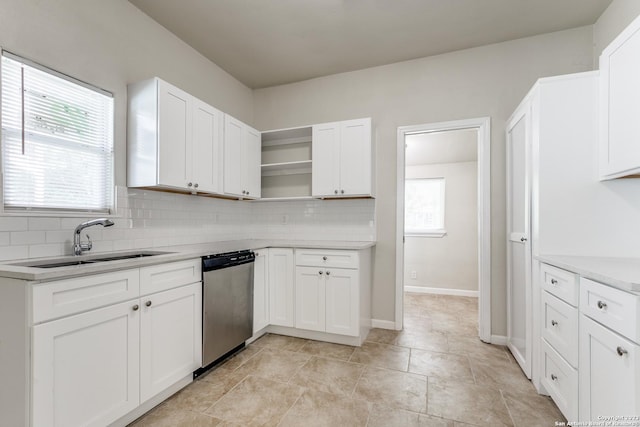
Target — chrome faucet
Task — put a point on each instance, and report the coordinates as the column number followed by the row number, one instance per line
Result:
column 80, row 246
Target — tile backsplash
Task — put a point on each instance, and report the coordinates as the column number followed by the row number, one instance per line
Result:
column 149, row 219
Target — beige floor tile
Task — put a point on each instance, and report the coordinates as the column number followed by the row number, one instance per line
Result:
column 382, row 355
column 385, row 416
column 445, row 365
column 468, row 403
column 500, row 374
column 397, row 389
column 274, row 364
column 239, row 358
column 255, row 402
column 316, row 408
column 198, row 396
column 383, row 336
column 280, row 342
column 423, row 340
column 226, row 379
column 532, row 409
column 329, row 375
column 416, row 323
column 327, row 349
column 472, row 346
column 165, row 416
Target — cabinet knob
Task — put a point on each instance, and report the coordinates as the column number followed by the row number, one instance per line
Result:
column 602, row 305
column 244, row 192
column 554, row 323
column 523, row 239
column 336, row 191
column 148, row 303
column 135, row 307
column 328, row 273
column 553, row 377
column 320, row 272
column 190, row 184
column 247, row 193
column 324, row 258
column 341, row 191
column 195, row 185
column 621, row 351
column 554, row 282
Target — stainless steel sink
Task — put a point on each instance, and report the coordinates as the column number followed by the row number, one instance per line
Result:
column 71, row 261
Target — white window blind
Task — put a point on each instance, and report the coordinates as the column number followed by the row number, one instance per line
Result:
column 424, row 205
column 57, row 141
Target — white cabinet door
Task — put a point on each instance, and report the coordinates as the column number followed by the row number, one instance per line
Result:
column 207, row 152
column 86, row 367
column 519, row 313
column 342, row 301
column 261, row 290
column 310, row 298
column 355, row 157
column 170, row 338
column 233, row 130
column 251, row 160
column 281, row 287
column 174, row 135
column 619, row 111
column 325, row 150
column 609, row 383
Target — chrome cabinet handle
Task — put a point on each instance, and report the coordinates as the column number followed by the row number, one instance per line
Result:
column 341, row 191
column 328, row 273
column 621, row 351
column 553, row 377
column 244, row 192
column 554, row 282
column 335, row 191
column 602, row 305
column 523, row 239
column 135, row 307
column 324, row 258
column 320, row 272
column 190, row 184
column 148, row 303
column 195, row 185
column 554, row 323
column 247, row 193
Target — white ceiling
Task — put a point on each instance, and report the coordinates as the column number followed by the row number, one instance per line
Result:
column 454, row 146
column 270, row 42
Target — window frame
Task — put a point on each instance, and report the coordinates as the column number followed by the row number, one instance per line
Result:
column 435, row 232
column 111, row 210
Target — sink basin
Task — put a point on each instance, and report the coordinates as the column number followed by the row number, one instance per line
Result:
column 71, row 261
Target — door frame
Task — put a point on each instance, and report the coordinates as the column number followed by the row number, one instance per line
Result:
column 483, row 125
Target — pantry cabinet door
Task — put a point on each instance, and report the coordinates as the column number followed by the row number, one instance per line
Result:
column 86, row 367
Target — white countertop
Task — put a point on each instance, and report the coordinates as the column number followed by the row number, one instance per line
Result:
column 173, row 253
column 621, row 273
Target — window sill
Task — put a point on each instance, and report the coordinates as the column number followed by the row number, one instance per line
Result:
column 433, row 233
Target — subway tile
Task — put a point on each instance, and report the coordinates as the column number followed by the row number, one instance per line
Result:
column 49, row 250
column 13, row 224
column 5, row 238
column 14, row 252
column 27, row 237
column 44, row 224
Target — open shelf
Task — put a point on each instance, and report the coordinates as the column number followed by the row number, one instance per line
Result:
column 287, row 168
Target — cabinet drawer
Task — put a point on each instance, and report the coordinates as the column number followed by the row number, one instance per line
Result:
column 561, row 283
column 65, row 297
column 323, row 258
column 560, row 327
column 167, row 276
column 561, row 381
column 611, row 307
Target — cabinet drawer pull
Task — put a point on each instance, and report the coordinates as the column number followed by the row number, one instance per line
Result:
column 148, row 303
column 324, row 258
column 335, row 191
column 554, row 377
column 621, row 351
column 554, row 282
column 320, row 272
column 195, row 185
column 328, row 273
column 190, row 184
column 602, row 305
column 554, row 323
column 135, row 307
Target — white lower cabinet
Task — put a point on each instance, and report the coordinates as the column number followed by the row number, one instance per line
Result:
column 310, row 299
column 281, row 287
column 343, row 301
column 86, row 367
column 261, row 290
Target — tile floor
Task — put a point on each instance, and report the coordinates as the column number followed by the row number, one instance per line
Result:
column 434, row 373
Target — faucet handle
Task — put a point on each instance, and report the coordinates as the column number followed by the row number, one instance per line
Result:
column 87, row 246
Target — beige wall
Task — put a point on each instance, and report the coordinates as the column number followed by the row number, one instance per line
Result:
column 485, row 81
column 451, row 261
column 110, row 44
column 615, row 18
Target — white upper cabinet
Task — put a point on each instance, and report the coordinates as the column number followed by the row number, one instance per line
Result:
column 174, row 140
column 343, row 159
column 619, row 107
column 242, row 158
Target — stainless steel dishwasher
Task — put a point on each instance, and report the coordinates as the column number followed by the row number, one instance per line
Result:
column 227, row 299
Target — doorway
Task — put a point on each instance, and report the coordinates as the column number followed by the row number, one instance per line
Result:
column 431, row 224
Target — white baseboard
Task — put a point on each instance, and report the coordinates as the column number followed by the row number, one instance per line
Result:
column 383, row 324
column 441, row 291
column 498, row 340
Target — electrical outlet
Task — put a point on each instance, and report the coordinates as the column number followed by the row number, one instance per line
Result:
column 414, row 274
column 285, row 219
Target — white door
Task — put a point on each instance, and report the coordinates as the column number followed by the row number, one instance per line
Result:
column 342, row 301
column 170, row 338
column 518, row 244
column 609, row 372
column 174, row 136
column 86, row 367
column 207, row 152
column 310, row 298
column 251, row 161
column 233, row 131
column 355, row 157
column 325, row 153
column 281, row 287
column 260, row 290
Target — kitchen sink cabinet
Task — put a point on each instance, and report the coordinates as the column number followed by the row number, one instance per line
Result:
column 343, row 158
column 242, row 159
column 174, row 140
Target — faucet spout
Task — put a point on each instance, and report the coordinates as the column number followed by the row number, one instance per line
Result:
column 78, row 245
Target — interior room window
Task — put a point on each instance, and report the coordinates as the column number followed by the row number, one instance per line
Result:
column 57, row 141
column 424, row 207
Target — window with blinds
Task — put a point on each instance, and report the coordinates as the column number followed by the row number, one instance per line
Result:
column 57, row 141
column 424, row 207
